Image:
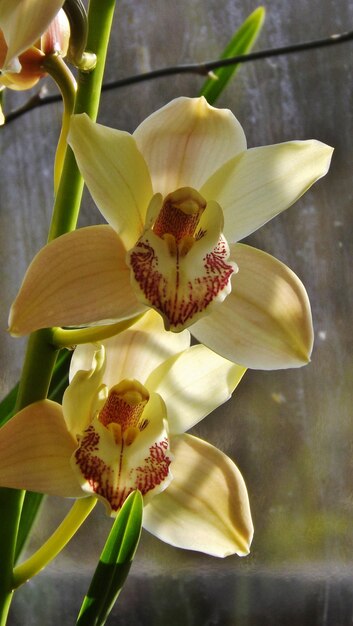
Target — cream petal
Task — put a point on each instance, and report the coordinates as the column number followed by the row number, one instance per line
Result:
column 193, row 384
column 210, row 227
column 84, row 359
column 206, row 506
column 265, row 323
column 186, row 141
column 136, row 352
column 77, row 279
column 23, row 22
column 262, row 182
column 150, row 455
column 83, row 393
column 35, row 451
column 110, row 467
column 115, row 173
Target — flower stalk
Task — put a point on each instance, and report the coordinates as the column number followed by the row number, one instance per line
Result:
column 58, row 70
column 62, row 338
column 35, row 380
column 68, row 199
column 58, row 540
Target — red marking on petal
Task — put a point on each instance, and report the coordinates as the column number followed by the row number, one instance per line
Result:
column 113, row 482
column 155, row 469
column 100, row 476
column 180, row 299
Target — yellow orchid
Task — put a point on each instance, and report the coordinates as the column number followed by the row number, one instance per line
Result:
column 122, row 426
column 28, row 30
column 178, row 194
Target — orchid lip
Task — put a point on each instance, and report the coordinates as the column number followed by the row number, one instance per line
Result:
column 125, row 446
column 179, row 265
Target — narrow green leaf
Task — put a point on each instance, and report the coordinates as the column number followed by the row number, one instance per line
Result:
column 114, row 563
column 7, row 405
column 241, row 43
column 30, row 510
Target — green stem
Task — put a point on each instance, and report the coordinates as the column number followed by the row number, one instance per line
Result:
column 57, row 542
column 68, row 199
column 37, row 369
column 58, row 70
column 33, row 386
column 40, row 358
column 10, row 501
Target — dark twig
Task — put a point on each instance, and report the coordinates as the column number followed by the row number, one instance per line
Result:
column 204, row 68
column 192, row 68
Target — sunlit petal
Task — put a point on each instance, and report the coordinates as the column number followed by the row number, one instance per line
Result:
column 261, row 182
column 265, row 323
column 35, row 451
column 192, row 384
column 107, row 464
column 186, row 141
column 83, row 393
column 206, row 506
column 78, row 278
column 135, row 353
column 23, row 22
column 115, row 173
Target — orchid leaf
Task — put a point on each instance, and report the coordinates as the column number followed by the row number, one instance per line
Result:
column 241, row 43
column 114, row 563
column 7, row 405
column 30, row 509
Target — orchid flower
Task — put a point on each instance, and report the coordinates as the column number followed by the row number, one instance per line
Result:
column 122, row 427
column 28, row 30
column 178, row 194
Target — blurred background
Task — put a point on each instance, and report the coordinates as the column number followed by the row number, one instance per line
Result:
column 289, row 432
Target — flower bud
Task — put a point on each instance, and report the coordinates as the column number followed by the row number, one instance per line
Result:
column 29, row 70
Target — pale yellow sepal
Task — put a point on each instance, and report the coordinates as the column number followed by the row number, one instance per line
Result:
column 84, row 395
column 185, row 141
column 265, row 323
column 193, row 384
column 78, row 278
column 121, row 187
column 260, row 183
column 135, row 353
column 206, row 506
column 35, row 451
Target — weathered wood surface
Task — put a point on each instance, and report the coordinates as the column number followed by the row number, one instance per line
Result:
column 290, row 432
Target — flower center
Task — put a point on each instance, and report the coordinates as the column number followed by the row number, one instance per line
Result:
column 178, row 218
column 179, row 265
column 122, row 410
column 125, row 447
